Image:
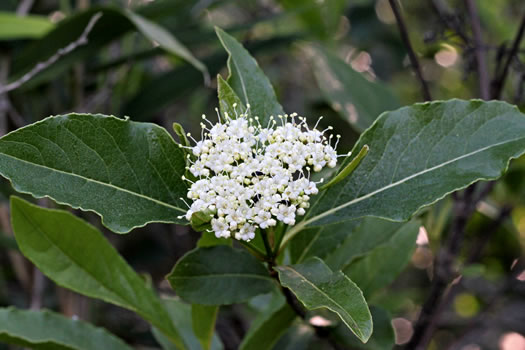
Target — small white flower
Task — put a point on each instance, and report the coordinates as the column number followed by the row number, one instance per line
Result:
column 253, row 176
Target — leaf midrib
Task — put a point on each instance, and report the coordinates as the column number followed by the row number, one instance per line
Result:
column 327, row 296
column 399, row 182
column 117, row 188
column 129, row 305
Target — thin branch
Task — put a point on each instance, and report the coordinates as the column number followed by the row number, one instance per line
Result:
column 444, row 272
column 497, row 86
column 82, row 40
column 484, row 83
column 411, row 54
column 24, row 7
column 449, row 19
column 519, row 91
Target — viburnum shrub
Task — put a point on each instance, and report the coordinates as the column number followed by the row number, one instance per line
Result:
column 273, row 232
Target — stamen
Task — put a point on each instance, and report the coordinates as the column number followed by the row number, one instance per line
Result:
column 317, row 123
column 325, row 130
column 218, row 115
column 337, row 142
column 182, row 199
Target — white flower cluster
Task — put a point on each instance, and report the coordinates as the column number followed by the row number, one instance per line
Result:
column 252, row 176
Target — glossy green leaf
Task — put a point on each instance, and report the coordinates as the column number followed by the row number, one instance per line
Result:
column 419, row 154
column 228, row 99
column 219, row 275
column 269, row 325
column 248, row 80
column 76, row 256
column 381, row 266
column 182, row 317
column 127, row 172
column 316, row 286
column 23, row 27
column 359, row 100
column 203, row 322
column 48, row 330
column 383, row 337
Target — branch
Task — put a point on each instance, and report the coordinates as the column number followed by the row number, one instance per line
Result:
column 411, row 54
column 497, row 85
column 82, row 40
column 444, row 272
column 484, row 84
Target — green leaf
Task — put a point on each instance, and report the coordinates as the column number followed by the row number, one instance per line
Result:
column 383, row 337
column 203, row 322
column 269, row 325
column 181, row 316
column 363, row 237
column 320, row 241
column 359, row 100
column 316, row 286
column 419, row 154
column 348, row 169
column 300, row 337
column 383, row 264
column 248, row 80
column 16, row 27
column 219, row 275
column 183, row 140
column 228, row 98
column 48, row 330
column 76, row 256
column 208, row 239
column 165, row 40
column 201, row 220
column 127, row 172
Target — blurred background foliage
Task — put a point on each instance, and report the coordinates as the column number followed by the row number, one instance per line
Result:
column 342, row 59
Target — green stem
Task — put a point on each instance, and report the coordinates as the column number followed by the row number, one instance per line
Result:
column 255, row 250
column 267, row 246
column 280, row 235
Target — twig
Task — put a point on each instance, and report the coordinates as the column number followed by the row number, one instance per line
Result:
column 408, row 46
column 82, row 40
column 443, row 271
column 37, row 289
column 449, row 19
column 499, row 82
column 519, row 91
column 484, row 84
column 492, row 304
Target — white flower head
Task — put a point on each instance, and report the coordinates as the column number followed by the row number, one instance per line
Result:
column 253, row 176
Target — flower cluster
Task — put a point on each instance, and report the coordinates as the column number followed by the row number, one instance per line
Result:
column 250, row 176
